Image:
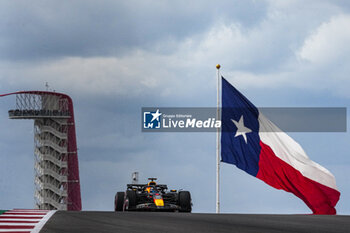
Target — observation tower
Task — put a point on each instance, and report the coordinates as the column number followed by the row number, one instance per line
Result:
column 57, row 184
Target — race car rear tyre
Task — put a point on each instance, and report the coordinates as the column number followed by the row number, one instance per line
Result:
column 119, row 201
column 131, row 196
column 185, row 201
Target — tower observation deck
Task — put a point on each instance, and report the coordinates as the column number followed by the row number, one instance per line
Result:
column 57, row 184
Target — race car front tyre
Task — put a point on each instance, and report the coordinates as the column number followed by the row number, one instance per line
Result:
column 131, row 196
column 185, row 201
column 119, row 201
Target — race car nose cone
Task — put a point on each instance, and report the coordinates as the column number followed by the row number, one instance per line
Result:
column 159, row 202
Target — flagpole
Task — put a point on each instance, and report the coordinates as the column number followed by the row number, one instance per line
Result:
column 218, row 143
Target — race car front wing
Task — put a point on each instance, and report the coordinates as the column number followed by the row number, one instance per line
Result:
column 153, row 207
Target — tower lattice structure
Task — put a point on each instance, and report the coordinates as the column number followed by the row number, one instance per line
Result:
column 57, row 184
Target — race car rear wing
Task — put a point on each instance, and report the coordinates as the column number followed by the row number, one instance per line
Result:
column 143, row 186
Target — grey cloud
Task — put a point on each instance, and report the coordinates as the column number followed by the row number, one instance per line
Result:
column 49, row 29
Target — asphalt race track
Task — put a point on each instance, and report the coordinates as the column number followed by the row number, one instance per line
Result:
column 143, row 222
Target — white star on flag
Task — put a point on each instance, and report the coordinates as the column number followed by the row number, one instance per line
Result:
column 156, row 115
column 241, row 129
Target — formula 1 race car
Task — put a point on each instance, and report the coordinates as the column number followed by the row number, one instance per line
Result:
column 152, row 197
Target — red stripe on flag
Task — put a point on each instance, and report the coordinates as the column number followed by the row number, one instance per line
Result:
column 280, row 175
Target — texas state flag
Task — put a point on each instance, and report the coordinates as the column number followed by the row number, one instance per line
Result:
column 254, row 144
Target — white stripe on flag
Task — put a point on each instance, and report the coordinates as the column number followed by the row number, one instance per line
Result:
column 292, row 153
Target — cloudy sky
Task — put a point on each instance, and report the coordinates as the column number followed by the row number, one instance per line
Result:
column 114, row 57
